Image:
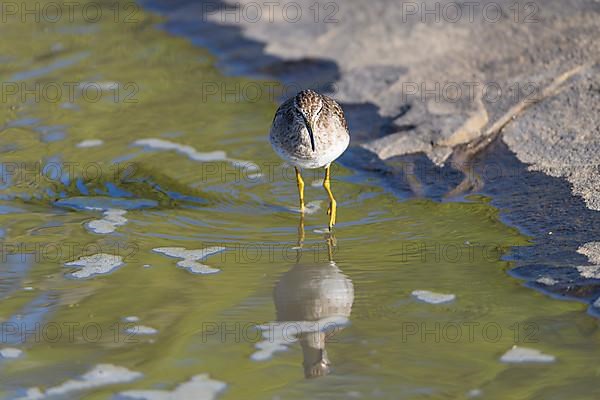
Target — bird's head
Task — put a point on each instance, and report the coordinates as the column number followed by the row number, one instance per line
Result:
column 308, row 105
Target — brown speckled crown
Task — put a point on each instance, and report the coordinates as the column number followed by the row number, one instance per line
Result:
column 309, row 101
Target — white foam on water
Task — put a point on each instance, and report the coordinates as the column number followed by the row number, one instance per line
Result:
column 546, row 280
column 104, row 203
column 180, row 252
column 518, row 355
column 100, row 375
column 195, row 155
column 255, row 176
column 278, row 335
column 249, row 166
column 10, row 352
column 96, row 264
column 103, row 86
column 189, row 151
column 32, row 394
column 131, row 318
column 90, row 143
column 199, row 387
column 197, row 268
column 312, row 207
column 432, row 297
column 309, row 208
column 141, row 330
column 267, row 349
column 190, row 258
column 113, row 217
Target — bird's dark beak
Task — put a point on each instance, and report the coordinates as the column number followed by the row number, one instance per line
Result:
column 312, row 137
column 310, row 133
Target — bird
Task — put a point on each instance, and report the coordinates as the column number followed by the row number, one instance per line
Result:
column 310, row 131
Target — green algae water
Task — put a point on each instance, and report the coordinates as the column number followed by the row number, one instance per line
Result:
column 151, row 246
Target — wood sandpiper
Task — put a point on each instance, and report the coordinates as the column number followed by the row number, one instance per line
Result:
column 309, row 131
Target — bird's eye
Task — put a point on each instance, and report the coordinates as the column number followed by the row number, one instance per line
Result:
column 319, row 111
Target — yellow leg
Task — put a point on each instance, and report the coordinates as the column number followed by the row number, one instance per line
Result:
column 301, row 231
column 300, row 183
column 300, row 238
column 332, row 210
column 331, row 243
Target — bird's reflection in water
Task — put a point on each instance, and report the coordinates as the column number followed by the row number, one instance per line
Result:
column 318, row 297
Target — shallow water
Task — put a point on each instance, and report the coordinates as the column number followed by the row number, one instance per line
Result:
column 266, row 294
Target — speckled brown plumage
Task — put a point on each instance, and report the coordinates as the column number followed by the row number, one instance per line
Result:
column 290, row 137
